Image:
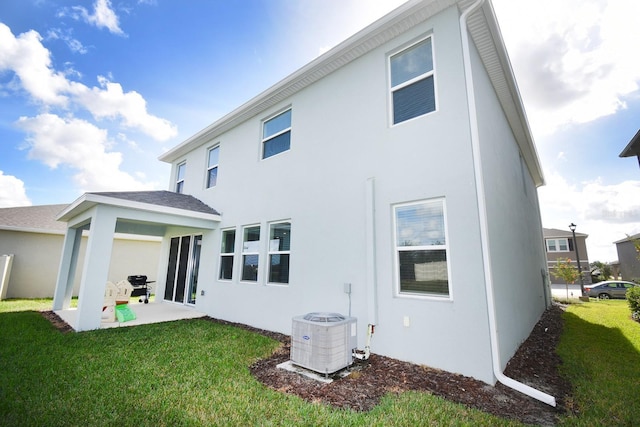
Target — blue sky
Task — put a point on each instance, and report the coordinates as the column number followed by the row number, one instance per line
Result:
column 92, row 92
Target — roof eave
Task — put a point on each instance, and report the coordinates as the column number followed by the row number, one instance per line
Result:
column 485, row 31
column 89, row 200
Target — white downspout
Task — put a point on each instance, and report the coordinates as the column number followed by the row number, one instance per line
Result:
column 482, row 211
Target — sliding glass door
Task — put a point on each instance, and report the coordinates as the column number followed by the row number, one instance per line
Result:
column 182, row 269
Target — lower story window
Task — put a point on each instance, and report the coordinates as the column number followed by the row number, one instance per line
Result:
column 227, row 249
column 279, row 251
column 250, row 253
column 421, row 248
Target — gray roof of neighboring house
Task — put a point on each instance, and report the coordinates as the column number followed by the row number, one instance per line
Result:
column 633, row 148
column 554, row 232
column 628, row 239
column 32, row 218
column 162, row 198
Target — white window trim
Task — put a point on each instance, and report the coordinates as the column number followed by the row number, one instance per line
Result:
column 228, row 254
column 557, row 242
column 258, row 253
column 178, row 180
column 263, row 139
column 209, row 167
column 396, row 249
column 392, row 89
column 269, row 252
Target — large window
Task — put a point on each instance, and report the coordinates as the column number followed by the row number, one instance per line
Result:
column 559, row 245
column 227, row 249
column 279, row 252
column 276, row 134
column 180, row 177
column 412, row 85
column 421, row 248
column 250, row 252
column 212, row 167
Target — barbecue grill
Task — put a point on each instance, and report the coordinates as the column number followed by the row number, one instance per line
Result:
column 141, row 287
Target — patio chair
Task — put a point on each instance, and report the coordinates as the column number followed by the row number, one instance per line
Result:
column 109, row 305
column 124, row 292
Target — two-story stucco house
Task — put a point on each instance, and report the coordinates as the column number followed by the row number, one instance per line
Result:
column 561, row 246
column 393, row 178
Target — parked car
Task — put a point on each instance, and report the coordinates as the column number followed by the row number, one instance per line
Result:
column 609, row 289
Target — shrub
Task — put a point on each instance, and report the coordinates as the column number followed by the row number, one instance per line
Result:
column 633, row 297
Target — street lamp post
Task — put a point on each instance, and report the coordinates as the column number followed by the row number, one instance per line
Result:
column 572, row 227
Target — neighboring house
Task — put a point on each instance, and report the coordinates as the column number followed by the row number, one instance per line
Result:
column 33, row 236
column 559, row 245
column 394, row 178
column 633, row 148
column 628, row 257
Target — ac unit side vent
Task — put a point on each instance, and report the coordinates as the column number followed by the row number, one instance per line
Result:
column 323, row 342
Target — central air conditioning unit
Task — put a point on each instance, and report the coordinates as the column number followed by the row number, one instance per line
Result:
column 323, row 342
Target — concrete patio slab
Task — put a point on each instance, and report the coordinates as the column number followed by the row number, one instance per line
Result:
column 154, row 312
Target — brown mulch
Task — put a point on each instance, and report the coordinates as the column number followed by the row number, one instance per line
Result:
column 57, row 322
column 535, row 363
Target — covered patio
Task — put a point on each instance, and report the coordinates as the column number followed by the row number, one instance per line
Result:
column 101, row 215
column 154, row 312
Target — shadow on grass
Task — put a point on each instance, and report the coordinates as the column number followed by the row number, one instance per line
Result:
column 604, row 368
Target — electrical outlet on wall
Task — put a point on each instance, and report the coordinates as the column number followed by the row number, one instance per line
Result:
column 406, row 321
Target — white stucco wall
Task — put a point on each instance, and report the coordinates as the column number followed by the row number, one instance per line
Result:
column 37, row 259
column 515, row 231
column 341, row 138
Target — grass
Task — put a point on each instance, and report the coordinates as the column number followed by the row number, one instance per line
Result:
column 195, row 372
column 186, row 373
column 600, row 349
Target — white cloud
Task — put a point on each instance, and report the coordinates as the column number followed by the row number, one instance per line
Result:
column 74, row 45
column 103, row 16
column 110, row 101
column 572, row 58
column 605, row 212
column 31, row 62
column 81, row 146
column 12, row 192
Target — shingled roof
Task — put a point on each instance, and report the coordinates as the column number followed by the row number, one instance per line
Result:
column 162, row 198
column 32, row 218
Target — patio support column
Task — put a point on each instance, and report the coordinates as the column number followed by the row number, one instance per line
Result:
column 66, row 272
column 96, row 269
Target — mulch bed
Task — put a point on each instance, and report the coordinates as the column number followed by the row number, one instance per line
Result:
column 535, row 363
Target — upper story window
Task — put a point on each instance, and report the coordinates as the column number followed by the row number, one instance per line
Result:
column 276, row 134
column 421, row 248
column 559, row 245
column 182, row 167
column 412, row 82
column 212, row 167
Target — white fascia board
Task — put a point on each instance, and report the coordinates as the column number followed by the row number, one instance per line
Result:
column 485, row 31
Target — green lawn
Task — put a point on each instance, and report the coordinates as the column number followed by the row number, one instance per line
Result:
column 195, row 373
column 600, row 349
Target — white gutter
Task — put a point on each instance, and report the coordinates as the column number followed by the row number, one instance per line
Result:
column 484, row 227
